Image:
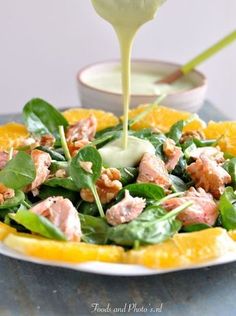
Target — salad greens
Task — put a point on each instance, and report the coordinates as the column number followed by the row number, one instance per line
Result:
column 153, row 226
column 37, row 224
column 71, row 172
column 227, row 207
column 41, row 118
column 87, row 179
column 19, row 171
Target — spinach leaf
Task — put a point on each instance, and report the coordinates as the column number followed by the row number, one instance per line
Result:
column 204, row 142
column 46, row 191
column 94, row 229
column 153, row 226
column 83, row 178
column 14, row 201
column 180, row 171
column 37, row 224
column 230, row 167
column 176, row 129
column 66, row 183
column 227, row 208
column 145, row 190
column 53, row 153
column 41, row 118
column 57, row 165
column 88, row 208
column 195, row 227
column 128, row 175
column 19, row 171
column 178, row 185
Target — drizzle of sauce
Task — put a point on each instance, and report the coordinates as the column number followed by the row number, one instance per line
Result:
column 126, row 17
column 113, row 155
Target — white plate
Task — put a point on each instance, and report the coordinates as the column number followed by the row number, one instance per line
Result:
column 112, row 268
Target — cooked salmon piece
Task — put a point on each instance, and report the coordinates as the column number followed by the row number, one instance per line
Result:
column 108, row 186
column 126, row 210
column 62, row 214
column 42, row 162
column 204, row 209
column 81, row 134
column 173, row 154
column 211, row 152
column 209, row 175
column 5, row 193
column 152, row 170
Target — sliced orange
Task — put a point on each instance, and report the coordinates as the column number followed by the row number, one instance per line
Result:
column 184, row 249
column 232, row 234
column 12, row 135
column 163, row 118
column 226, row 131
column 104, row 119
column 5, row 230
column 160, row 256
column 73, row 252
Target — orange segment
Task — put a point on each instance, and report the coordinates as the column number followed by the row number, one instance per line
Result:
column 160, row 256
column 232, row 234
column 184, row 249
column 12, row 135
column 104, row 119
column 204, row 245
column 226, row 130
column 5, row 230
column 73, row 252
column 163, row 118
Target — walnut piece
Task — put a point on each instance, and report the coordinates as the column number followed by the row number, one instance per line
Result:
column 108, row 186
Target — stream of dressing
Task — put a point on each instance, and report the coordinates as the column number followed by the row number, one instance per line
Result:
column 126, row 17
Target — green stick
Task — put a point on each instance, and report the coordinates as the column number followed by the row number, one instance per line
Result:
column 208, row 53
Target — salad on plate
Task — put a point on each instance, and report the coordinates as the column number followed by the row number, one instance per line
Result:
column 67, row 193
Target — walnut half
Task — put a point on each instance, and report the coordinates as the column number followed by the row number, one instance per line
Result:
column 108, row 186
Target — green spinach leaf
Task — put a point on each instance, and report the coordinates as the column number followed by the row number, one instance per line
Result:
column 128, row 175
column 14, row 201
column 94, row 229
column 47, row 191
column 37, row 224
column 19, row 171
column 86, row 179
column 41, row 118
column 148, row 191
column 153, row 226
column 66, row 183
column 53, row 153
column 230, row 167
column 227, row 208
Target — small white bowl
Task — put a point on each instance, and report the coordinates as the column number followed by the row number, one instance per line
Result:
column 189, row 100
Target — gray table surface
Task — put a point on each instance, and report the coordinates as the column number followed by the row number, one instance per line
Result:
column 32, row 289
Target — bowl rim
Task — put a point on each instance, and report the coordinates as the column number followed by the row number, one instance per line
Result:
column 138, row 60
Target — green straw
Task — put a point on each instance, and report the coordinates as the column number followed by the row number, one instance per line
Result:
column 208, row 53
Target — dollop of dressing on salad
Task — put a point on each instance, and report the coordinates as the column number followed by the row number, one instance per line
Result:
column 126, row 17
column 113, row 155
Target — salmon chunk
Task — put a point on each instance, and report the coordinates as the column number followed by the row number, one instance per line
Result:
column 152, row 170
column 81, row 134
column 42, row 162
column 126, row 210
column 204, row 209
column 173, row 154
column 211, row 152
column 209, row 175
column 62, row 214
